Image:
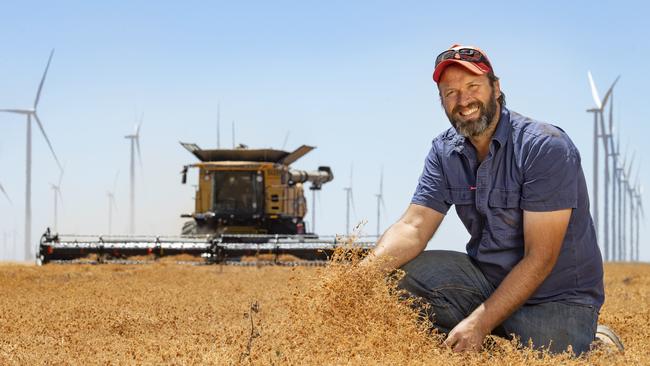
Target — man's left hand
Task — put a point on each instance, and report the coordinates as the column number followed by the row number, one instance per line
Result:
column 467, row 335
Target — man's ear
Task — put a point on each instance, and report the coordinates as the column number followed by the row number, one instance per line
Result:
column 497, row 89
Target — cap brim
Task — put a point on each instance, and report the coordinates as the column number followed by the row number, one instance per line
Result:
column 470, row 66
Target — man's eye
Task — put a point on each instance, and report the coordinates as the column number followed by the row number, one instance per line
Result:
column 450, row 93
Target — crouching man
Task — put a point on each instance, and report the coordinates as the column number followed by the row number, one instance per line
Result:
column 533, row 268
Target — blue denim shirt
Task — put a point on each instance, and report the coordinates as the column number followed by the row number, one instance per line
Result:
column 531, row 166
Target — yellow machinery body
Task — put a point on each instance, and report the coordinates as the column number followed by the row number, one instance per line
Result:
column 242, row 191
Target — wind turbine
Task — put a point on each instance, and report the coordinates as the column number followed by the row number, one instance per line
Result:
column 598, row 112
column 135, row 145
column 349, row 201
column 32, row 113
column 56, row 188
column 380, row 201
column 111, row 204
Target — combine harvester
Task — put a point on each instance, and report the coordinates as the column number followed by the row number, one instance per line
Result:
column 249, row 204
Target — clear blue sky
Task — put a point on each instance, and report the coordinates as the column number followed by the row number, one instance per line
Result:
column 352, row 78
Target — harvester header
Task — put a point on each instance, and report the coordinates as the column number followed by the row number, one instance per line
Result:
column 247, row 202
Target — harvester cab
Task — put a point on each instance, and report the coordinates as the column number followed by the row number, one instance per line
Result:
column 250, row 191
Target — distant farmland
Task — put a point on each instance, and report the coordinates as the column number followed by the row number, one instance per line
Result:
column 182, row 314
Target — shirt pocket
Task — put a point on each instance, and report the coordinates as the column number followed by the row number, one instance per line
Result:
column 463, row 199
column 461, row 196
column 504, row 198
column 506, row 217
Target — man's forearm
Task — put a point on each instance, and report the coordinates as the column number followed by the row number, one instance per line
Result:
column 399, row 244
column 513, row 292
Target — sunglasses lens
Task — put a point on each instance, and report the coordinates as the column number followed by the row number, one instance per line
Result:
column 465, row 54
column 445, row 56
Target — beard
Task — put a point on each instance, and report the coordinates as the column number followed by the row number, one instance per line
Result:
column 477, row 126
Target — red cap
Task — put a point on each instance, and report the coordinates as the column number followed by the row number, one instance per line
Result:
column 478, row 68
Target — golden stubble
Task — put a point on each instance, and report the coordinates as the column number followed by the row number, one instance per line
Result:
column 168, row 313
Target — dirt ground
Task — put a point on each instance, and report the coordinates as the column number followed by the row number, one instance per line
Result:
column 167, row 313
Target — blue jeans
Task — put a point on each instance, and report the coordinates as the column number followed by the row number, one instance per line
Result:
column 454, row 286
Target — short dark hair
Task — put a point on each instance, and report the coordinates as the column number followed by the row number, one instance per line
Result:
column 502, row 98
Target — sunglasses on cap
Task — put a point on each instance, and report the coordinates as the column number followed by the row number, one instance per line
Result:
column 464, row 54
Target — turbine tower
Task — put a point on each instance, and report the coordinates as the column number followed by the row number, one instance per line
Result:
column 598, row 116
column 349, row 202
column 135, row 145
column 619, row 206
column 614, row 148
column 32, row 113
column 630, row 192
column 380, row 201
column 233, row 134
column 625, row 191
column 639, row 211
column 111, row 204
column 634, row 194
column 56, row 188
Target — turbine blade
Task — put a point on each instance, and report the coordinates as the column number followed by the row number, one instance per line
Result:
column 111, row 199
column 137, row 147
column 629, row 168
column 286, row 138
column 115, row 181
column 49, row 144
column 618, row 139
column 40, row 86
column 594, row 91
column 381, row 182
column 609, row 91
column 137, row 127
column 4, row 193
column 611, row 115
column 61, row 177
column 625, row 156
column 16, row 111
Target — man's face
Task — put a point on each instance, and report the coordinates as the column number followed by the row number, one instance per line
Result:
column 469, row 100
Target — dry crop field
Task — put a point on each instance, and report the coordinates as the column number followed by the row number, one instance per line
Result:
column 168, row 313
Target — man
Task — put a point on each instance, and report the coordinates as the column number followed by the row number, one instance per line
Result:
column 533, row 268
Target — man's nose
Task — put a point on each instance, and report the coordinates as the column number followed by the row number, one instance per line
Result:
column 464, row 99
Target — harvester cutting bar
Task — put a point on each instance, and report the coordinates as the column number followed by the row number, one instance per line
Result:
column 224, row 248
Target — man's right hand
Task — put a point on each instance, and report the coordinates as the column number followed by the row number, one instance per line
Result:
column 407, row 238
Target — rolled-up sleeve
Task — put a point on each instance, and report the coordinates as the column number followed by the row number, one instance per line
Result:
column 432, row 187
column 551, row 170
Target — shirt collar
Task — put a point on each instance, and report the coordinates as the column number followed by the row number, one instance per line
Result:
column 503, row 128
